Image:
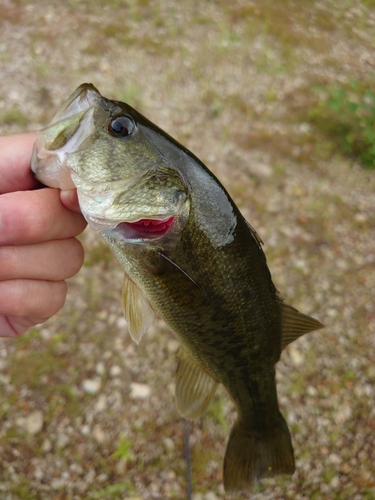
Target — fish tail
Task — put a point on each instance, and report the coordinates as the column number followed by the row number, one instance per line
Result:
column 252, row 454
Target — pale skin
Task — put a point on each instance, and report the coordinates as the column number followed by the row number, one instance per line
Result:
column 38, row 248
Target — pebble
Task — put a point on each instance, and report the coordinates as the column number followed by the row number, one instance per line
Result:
column 211, row 496
column 62, row 440
column 169, row 443
column 47, row 445
column 115, row 371
column 345, row 468
column 38, row 473
column 335, row 459
column 91, row 386
column 101, row 403
column 98, row 434
column 343, row 415
column 85, row 430
column 139, row 391
column 335, row 482
column 32, row 423
column 121, row 323
column 296, row 356
column 172, row 346
column 100, row 368
column 260, row 169
column 197, row 496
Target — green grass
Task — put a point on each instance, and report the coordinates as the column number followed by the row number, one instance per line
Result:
column 114, row 491
column 124, row 450
column 346, row 115
column 14, row 116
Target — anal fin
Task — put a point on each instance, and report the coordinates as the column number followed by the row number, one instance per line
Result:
column 137, row 310
column 194, row 387
column 295, row 324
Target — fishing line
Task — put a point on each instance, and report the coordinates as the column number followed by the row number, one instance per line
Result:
column 189, row 479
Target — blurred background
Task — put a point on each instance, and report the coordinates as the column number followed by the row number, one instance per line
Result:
column 278, row 99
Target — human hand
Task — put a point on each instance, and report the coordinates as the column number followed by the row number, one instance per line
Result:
column 38, row 251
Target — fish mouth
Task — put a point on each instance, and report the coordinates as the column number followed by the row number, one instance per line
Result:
column 143, row 229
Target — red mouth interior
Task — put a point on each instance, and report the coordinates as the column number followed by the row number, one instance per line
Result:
column 156, row 227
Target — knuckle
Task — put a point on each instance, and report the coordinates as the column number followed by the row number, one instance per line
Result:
column 8, row 262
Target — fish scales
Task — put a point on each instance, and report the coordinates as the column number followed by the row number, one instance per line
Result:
column 189, row 256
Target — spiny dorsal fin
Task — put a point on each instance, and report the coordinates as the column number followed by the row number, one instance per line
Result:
column 194, row 387
column 295, row 324
column 137, row 310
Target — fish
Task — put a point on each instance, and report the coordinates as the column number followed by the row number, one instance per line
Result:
column 190, row 257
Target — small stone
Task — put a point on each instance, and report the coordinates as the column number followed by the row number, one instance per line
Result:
column 335, row 482
column 58, row 483
column 304, row 127
column 360, row 217
column 120, row 467
column 345, row 468
column 101, row 403
column 121, row 323
column 335, row 459
column 100, row 368
column 197, row 496
column 139, row 391
column 172, row 346
column 4, row 379
column 62, row 440
column 211, row 496
column 32, row 423
column 169, row 443
column 296, row 355
column 85, row 430
column 343, row 415
column 47, row 445
column 91, row 386
column 38, row 473
column 311, row 391
column 98, row 434
column 260, row 169
column 115, row 371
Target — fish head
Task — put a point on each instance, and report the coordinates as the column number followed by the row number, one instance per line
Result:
column 109, row 152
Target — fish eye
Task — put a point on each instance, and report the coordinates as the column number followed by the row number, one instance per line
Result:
column 121, row 126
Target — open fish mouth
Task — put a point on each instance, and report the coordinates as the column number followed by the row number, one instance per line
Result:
column 143, row 229
column 151, row 226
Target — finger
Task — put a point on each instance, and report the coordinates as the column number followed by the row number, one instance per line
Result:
column 69, row 199
column 15, row 154
column 31, row 298
column 36, row 216
column 54, row 260
column 13, row 326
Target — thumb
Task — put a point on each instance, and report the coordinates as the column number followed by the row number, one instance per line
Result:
column 69, row 199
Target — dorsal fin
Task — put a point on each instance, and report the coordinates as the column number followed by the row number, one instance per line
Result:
column 295, row 324
column 194, row 387
column 137, row 310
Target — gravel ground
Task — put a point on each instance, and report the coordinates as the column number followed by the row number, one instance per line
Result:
column 85, row 413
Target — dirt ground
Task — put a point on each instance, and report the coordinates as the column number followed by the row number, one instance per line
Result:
column 87, row 414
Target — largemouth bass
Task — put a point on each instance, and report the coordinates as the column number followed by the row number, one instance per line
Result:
column 190, row 257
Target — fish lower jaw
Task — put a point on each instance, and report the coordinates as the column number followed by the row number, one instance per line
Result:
column 146, row 228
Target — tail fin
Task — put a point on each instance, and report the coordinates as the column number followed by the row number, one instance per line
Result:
column 252, row 455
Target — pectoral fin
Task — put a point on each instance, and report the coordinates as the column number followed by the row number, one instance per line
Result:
column 295, row 324
column 194, row 387
column 137, row 310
